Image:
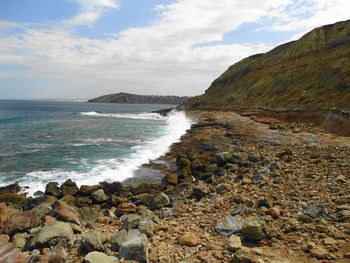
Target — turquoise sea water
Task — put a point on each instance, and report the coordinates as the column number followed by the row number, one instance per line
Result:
column 43, row 141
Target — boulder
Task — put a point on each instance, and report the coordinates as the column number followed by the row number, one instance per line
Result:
column 315, row 210
column 42, row 210
column 69, row 188
column 99, row 196
column 5, row 214
column 88, row 189
column 146, row 226
column 65, row 212
column 158, row 201
column 228, row 225
column 135, row 247
column 92, row 241
column 112, row 188
column 131, row 221
column 243, row 255
column 234, row 243
column 21, row 222
column 254, row 229
column 11, row 188
column 117, row 239
column 89, row 214
column 146, row 188
column 53, row 189
column 83, row 201
column 52, row 235
column 125, row 208
column 188, row 239
column 57, row 255
column 10, row 254
column 17, row 201
column 20, row 240
column 98, row 257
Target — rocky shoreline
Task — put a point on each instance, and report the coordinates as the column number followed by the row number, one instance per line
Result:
column 236, row 189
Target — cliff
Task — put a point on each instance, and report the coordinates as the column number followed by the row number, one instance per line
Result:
column 140, row 99
column 310, row 74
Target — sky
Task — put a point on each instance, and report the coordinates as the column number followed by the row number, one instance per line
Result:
column 87, row 48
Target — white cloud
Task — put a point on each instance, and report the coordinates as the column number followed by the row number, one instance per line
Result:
column 163, row 58
column 91, row 11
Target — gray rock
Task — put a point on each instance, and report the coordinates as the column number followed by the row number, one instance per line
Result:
column 158, row 201
column 43, row 209
column 117, row 239
column 316, row 210
column 254, row 229
column 131, row 221
column 228, row 225
column 146, row 226
column 99, row 196
column 89, row 214
column 135, row 247
column 20, row 239
column 51, row 235
column 98, row 257
column 92, row 241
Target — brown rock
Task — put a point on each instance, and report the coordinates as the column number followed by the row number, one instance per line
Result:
column 11, row 188
column 10, row 254
column 319, row 253
column 65, row 212
column 21, row 221
column 125, row 208
column 275, row 211
column 48, row 220
column 246, row 181
column 57, row 255
column 188, row 239
column 5, row 214
column 170, row 179
column 4, row 237
column 69, row 188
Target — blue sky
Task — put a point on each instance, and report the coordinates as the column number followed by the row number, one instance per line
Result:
column 87, row 48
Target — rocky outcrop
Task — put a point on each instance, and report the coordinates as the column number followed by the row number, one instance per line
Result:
column 140, row 99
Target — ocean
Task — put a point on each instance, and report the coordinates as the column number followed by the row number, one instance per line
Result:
column 51, row 141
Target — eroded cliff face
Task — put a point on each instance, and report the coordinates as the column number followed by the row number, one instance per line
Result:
column 310, row 74
column 140, row 99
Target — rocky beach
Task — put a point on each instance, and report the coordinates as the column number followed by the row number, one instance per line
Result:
column 235, row 189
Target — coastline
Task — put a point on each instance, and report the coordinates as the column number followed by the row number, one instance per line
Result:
column 226, row 165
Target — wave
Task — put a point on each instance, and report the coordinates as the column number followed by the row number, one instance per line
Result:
column 117, row 169
column 136, row 116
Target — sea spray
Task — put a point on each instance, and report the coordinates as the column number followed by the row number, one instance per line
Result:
column 119, row 169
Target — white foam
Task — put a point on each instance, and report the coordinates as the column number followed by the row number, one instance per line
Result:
column 136, row 116
column 117, row 169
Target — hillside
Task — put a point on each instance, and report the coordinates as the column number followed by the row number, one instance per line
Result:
column 310, row 74
column 140, row 99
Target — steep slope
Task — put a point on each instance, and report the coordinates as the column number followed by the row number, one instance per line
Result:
column 310, row 74
column 140, row 99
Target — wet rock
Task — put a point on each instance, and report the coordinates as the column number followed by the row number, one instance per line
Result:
column 131, row 221
column 65, row 212
column 20, row 240
column 135, row 247
column 92, row 241
column 170, row 179
column 158, row 201
column 254, row 229
column 243, row 255
column 99, row 196
column 228, row 225
column 315, row 210
column 146, row 226
column 21, row 222
column 188, row 239
column 57, row 255
column 99, row 257
column 234, row 243
column 11, row 188
column 125, row 208
column 223, row 187
column 53, row 189
column 69, row 188
column 52, row 235
column 89, row 214
column 112, row 188
column 117, row 239
column 88, row 189
column 185, row 166
column 42, row 210
column 5, row 214
column 223, row 158
column 146, row 188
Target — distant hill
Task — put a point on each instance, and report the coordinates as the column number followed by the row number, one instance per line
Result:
column 310, row 74
column 140, row 99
